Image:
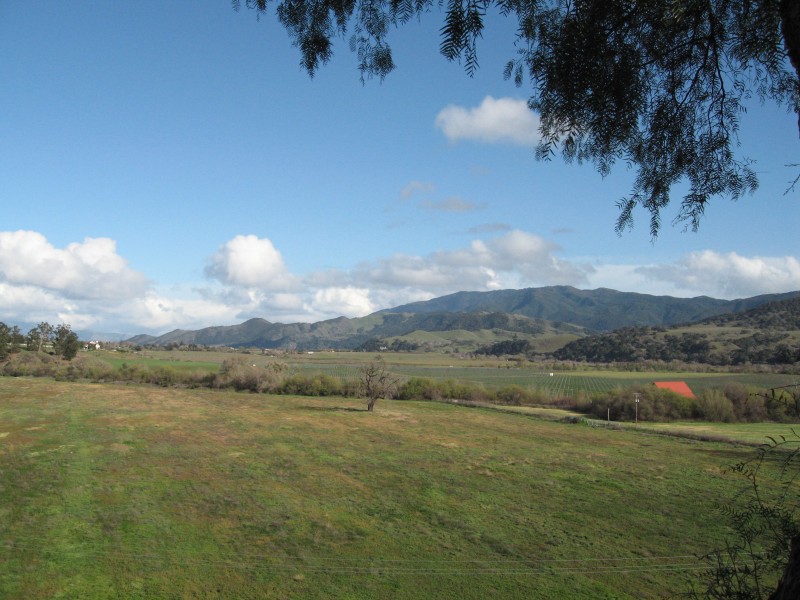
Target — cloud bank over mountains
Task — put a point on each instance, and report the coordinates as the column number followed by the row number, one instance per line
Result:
column 91, row 286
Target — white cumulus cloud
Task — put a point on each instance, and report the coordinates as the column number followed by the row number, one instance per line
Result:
column 160, row 313
column 90, row 286
column 728, row 275
column 88, row 270
column 336, row 301
column 494, row 120
column 515, row 259
column 250, row 261
column 27, row 303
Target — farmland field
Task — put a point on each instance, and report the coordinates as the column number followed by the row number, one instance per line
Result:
column 128, row 491
column 488, row 372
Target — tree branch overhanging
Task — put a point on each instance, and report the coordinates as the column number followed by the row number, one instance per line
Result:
column 658, row 84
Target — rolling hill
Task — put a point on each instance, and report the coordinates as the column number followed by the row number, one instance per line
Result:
column 599, row 310
column 548, row 317
column 441, row 329
column 768, row 334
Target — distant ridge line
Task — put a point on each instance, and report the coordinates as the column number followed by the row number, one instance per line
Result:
column 553, row 310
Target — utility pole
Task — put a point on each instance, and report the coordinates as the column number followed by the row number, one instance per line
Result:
column 636, row 404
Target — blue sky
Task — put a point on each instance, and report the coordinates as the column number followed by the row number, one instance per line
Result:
column 169, row 165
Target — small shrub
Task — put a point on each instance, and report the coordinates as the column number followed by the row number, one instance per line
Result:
column 165, row 376
column 479, row 394
column 714, row 405
column 311, row 385
column 514, row 395
column 31, row 364
column 241, row 375
column 453, row 390
column 583, row 402
column 132, row 373
column 93, row 368
column 738, row 396
column 754, row 409
column 416, row 388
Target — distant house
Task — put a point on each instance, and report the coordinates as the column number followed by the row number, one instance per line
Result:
column 679, row 387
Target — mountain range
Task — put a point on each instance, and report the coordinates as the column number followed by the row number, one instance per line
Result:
column 597, row 310
column 548, row 317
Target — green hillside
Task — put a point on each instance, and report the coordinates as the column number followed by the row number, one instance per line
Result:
column 598, row 310
column 769, row 334
column 427, row 331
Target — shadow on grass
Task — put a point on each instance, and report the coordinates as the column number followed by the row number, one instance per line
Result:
column 334, row 408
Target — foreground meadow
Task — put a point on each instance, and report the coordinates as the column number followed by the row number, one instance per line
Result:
column 114, row 491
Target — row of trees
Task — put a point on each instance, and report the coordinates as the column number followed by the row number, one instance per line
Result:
column 730, row 404
column 44, row 337
column 375, row 380
column 379, row 345
column 506, row 347
column 632, row 344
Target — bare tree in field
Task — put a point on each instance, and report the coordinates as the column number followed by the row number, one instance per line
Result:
column 377, row 382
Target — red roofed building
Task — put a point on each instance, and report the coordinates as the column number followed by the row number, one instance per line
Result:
column 679, row 387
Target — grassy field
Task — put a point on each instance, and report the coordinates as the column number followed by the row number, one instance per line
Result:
column 749, row 433
column 752, row 434
column 114, row 491
column 182, row 361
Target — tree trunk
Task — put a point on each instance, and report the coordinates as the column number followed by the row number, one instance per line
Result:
column 790, row 29
column 789, row 586
column 371, row 403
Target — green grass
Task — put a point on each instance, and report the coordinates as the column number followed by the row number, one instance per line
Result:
column 188, row 362
column 749, row 433
column 753, row 434
column 110, row 491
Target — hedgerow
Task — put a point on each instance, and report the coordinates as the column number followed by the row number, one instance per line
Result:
column 732, row 403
